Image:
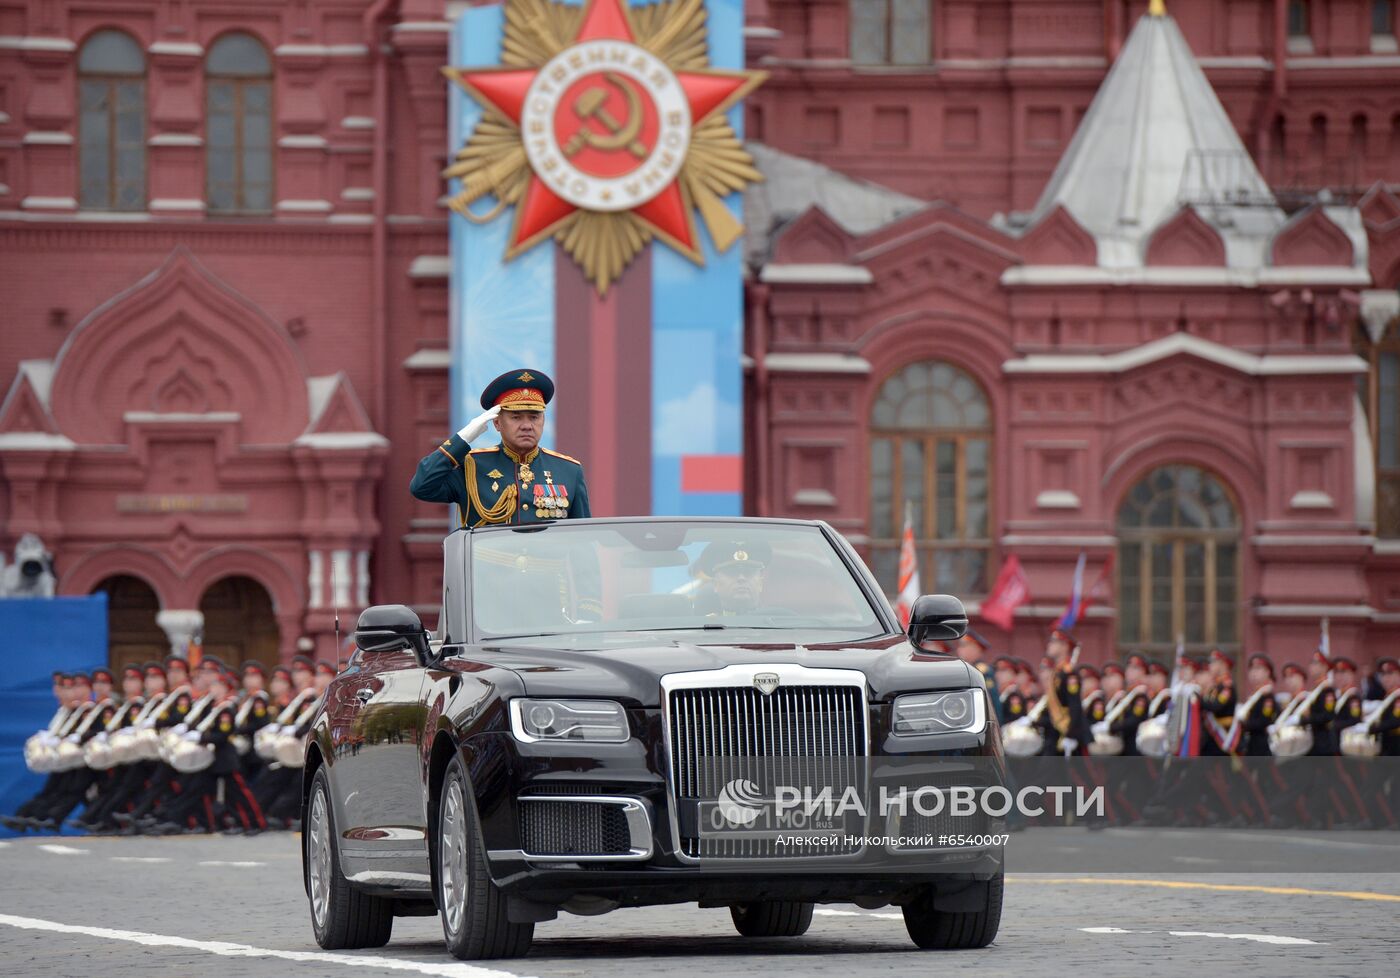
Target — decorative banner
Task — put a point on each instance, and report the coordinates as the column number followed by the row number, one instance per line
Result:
column 639, row 321
column 605, row 130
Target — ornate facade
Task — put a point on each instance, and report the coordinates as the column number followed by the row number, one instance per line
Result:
column 225, row 295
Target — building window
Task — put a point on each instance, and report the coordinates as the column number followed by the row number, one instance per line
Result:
column 238, row 143
column 112, row 123
column 1299, row 19
column 1383, row 18
column 1379, row 391
column 1178, row 563
column 931, row 450
column 891, row 32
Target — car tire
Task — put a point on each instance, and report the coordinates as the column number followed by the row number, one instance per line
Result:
column 475, row 924
column 772, row 918
column 934, row 929
column 341, row 916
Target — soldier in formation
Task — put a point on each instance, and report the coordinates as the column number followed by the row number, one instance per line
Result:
column 176, row 751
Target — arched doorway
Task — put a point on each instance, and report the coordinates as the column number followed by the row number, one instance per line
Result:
column 132, row 633
column 931, row 449
column 1179, row 563
column 239, row 622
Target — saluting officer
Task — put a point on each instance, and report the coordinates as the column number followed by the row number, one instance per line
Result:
column 515, row 482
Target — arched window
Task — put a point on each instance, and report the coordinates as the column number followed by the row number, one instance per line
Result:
column 931, row 450
column 238, row 144
column 1178, row 562
column 112, row 123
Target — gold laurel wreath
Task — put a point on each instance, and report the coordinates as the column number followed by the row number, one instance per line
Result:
column 492, row 161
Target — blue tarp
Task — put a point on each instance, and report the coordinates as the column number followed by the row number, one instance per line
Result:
column 37, row 636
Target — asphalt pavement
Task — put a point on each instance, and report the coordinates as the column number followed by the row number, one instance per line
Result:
column 118, row 907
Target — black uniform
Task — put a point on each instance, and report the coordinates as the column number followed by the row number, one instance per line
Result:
column 1262, row 712
column 1063, row 716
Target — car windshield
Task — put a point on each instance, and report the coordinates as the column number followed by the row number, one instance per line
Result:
column 694, row 579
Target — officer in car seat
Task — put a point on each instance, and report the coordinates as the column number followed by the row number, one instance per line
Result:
column 735, row 574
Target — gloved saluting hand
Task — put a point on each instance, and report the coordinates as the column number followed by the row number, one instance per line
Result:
column 473, row 429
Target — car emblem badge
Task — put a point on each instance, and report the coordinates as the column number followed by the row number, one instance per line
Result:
column 765, row 682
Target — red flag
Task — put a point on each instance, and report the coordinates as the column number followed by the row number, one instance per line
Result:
column 908, row 570
column 1011, row 591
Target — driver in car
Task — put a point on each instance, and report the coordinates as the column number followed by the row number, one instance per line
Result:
column 736, row 573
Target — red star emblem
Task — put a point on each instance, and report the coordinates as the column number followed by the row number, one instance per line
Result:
column 668, row 214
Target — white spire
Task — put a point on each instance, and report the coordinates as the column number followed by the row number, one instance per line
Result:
column 1154, row 138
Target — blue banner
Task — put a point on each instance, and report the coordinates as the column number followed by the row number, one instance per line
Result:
column 40, row 635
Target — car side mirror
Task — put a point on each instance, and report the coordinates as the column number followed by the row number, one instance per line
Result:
column 937, row 618
column 391, row 628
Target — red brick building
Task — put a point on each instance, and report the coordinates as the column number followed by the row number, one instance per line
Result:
column 223, row 275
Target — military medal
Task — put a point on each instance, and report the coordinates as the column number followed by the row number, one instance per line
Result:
column 526, row 476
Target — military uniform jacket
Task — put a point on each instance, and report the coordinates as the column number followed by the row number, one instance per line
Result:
column 1064, row 714
column 175, row 708
column 218, row 733
column 495, row 486
column 1013, row 705
column 1129, row 718
column 1219, row 702
column 253, row 714
column 1318, row 717
column 1096, row 706
column 1259, row 715
column 1387, row 725
column 1348, row 712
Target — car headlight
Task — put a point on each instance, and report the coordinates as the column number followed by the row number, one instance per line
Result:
column 579, row 721
column 956, row 711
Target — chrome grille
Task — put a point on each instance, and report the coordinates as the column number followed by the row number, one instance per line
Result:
column 803, row 735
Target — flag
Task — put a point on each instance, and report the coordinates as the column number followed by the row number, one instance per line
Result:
column 908, row 569
column 1010, row 592
column 1071, row 615
column 1324, row 644
column 1079, row 601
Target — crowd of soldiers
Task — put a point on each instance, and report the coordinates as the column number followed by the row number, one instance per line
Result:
column 1299, row 746
column 241, row 732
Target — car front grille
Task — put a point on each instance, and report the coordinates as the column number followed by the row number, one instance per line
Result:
column 806, row 736
column 573, row 828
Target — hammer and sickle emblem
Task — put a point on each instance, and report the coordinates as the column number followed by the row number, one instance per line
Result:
column 619, row 135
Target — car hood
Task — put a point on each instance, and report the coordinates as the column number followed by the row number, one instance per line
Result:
column 633, row 671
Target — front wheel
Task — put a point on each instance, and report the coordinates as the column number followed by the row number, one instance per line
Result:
column 474, row 920
column 933, row 929
column 772, row 918
column 341, row 916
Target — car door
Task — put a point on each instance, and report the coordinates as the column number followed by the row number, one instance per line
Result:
column 375, row 728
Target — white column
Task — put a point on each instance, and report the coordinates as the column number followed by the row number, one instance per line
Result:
column 180, row 626
column 314, row 579
column 362, row 578
column 340, row 577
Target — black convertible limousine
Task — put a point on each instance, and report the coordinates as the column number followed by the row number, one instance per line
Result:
column 628, row 712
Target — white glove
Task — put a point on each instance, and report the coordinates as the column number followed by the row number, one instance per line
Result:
column 71, row 738
column 192, row 736
column 1071, row 745
column 473, row 428
column 180, row 728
